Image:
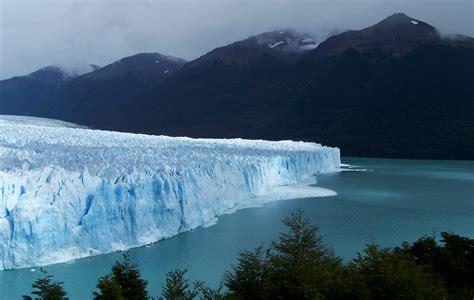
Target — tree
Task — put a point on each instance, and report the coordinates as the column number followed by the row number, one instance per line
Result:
column 47, row 288
column 390, row 274
column 213, row 294
column 109, row 289
column 247, row 278
column 301, row 266
column 124, row 281
column 456, row 265
column 453, row 261
column 177, row 287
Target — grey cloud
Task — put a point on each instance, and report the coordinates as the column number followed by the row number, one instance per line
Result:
column 73, row 34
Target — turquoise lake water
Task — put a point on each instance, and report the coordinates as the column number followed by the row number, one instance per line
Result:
column 390, row 202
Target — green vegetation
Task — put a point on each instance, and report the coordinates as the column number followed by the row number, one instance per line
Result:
column 300, row 266
column 178, row 287
column 453, row 262
column 124, row 282
column 47, row 289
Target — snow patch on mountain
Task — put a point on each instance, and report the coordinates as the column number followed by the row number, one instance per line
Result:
column 276, row 44
column 288, row 41
column 309, row 47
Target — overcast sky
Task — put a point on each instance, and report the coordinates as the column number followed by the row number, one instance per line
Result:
column 73, row 34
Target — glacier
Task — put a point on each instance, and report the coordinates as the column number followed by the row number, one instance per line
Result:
column 68, row 193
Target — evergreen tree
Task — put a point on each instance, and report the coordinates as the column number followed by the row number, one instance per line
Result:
column 213, row 294
column 124, row 281
column 455, row 264
column 453, row 261
column 47, row 289
column 109, row 289
column 302, row 267
column 298, row 266
column 177, row 287
column 389, row 274
column 247, row 278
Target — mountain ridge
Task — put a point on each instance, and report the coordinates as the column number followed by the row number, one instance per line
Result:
column 396, row 35
column 381, row 91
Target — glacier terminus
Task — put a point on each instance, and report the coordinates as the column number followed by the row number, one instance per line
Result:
column 67, row 193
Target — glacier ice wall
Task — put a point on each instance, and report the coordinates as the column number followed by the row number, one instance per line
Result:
column 67, row 193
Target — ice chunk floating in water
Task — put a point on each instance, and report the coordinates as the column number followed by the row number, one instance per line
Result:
column 67, row 193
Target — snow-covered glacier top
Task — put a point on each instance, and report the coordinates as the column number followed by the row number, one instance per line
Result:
column 67, row 193
column 26, row 120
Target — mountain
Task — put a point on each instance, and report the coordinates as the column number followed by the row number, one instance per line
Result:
column 207, row 88
column 25, row 95
column 142, row 93
column 420, row 105
column 395, row 89
column 396, row 35
column 270, row 47
column 146, row 66
column 89, row 98
column 49, row 74
column 245, row 63
column 110, row 97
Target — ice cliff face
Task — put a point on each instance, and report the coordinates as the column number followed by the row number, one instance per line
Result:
column 67, row 193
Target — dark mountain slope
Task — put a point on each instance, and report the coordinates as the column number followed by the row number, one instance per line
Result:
column 288, row 45
column 145, row 66
column 208, row 87
column 396, row 35
column 414, row 100
column 29, row 95
column 111, row 95
column 420, row 105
